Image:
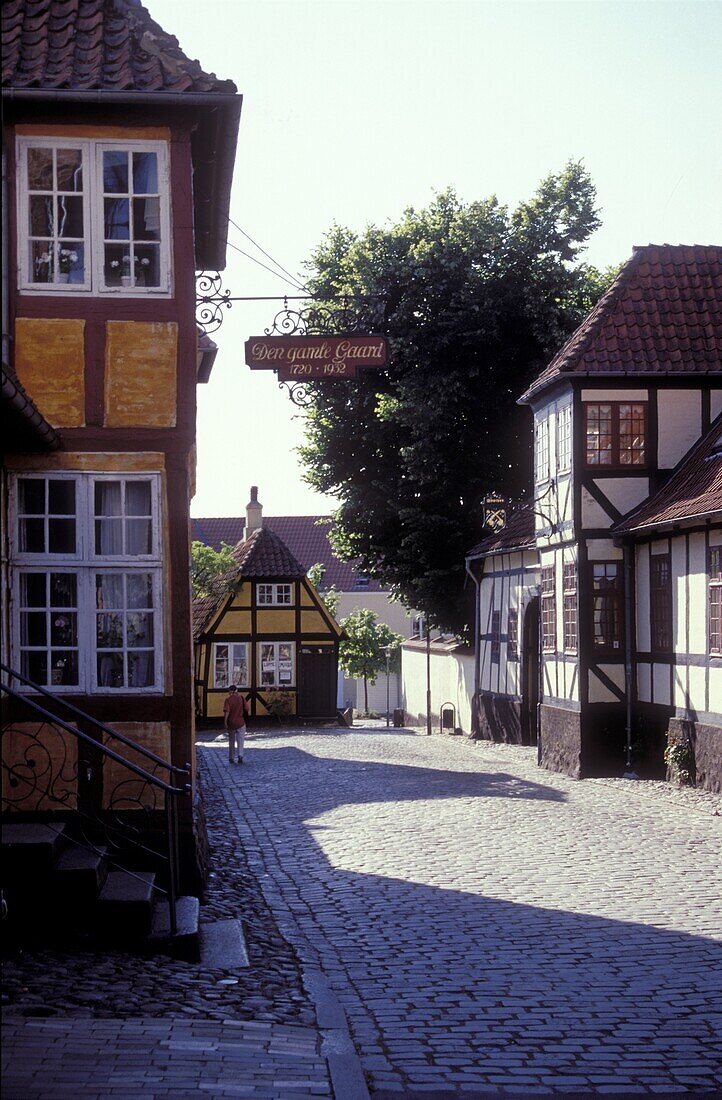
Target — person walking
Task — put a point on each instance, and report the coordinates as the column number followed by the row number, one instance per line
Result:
column 235, row 709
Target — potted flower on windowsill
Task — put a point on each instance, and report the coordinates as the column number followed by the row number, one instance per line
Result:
column 67, row 259
column 138, row 267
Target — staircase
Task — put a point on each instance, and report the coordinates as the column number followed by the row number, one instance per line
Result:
column 84, row 874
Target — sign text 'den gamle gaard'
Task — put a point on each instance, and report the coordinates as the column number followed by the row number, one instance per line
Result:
column 316, row 356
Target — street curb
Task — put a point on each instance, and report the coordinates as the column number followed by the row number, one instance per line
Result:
column 337, row 1047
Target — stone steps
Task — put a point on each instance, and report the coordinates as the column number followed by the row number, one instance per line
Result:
column 57, row 888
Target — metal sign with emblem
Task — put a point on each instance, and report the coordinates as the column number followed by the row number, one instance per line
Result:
column 495, row 512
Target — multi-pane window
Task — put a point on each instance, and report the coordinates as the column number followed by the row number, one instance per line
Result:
column 607, row 606
column 276, row 664
column 93, row 216
column 274, row 594
column 542, row 449
column 230, row 664
column 660, row 602
column 512, row 634
column 615, row 433
column 569, row 588
column 495, row 634
column 131, row 218
column 564, row 439
column 548, row 610
column 715, row 599
column 88, row 581
column 56, row 215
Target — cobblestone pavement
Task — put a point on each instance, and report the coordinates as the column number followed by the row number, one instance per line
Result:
column 485, row 924
column 124, row 1025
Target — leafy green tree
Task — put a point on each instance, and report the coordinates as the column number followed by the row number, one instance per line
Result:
column 475, row 298
column 207, row 564
column 361, row 651
column 330, row 596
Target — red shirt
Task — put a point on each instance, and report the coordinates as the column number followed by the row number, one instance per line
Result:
column 234, row 709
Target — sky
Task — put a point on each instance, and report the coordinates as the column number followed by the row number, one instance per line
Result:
column 355, row 109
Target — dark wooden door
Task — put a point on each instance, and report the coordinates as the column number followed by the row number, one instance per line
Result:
column 530, row 673
column 317, row 681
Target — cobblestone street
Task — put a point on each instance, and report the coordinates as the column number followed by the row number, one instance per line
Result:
column 486, row 924
column 439, row 917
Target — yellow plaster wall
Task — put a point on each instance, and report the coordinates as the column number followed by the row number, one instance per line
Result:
column 307, row 599
column 121, row 787
column 140, row 374
column 50, row 363
column 124, row 462
column 276, row 622
column 313, row 622
column 214, row 703
column 54, row 756
column 243, row 596
column 234, row 622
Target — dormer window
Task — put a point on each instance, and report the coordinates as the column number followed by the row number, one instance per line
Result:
column 93, row 216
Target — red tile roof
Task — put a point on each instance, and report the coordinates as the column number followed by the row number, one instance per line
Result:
column 517, row 535
column 264, row 554
column 89, row 45
column 305, row 536
column 661, row 316
column 694, row 490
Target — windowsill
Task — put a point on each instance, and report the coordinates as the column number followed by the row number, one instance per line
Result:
column 70, row 291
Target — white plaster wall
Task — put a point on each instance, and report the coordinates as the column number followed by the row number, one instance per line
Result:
column 644, row 683
column 679, row 414
column 644, row 640
column 625, row 493
column 599, row 692
column 603, row 550
column 715, row 403
column 452, row 681
column 593, row 515
column 389, row 611
column 679, row 564
column 660, row 674
column 715, row 691
column 698, row 597
column 696, row 687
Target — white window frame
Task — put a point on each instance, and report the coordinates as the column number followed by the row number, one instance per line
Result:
column 275, row 590
column 564, row 439
column 541, row 450
column 93, row 217
column 230, row 646
column 85, row 564
column 277, row 684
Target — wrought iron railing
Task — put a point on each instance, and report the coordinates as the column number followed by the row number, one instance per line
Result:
column 34, row 779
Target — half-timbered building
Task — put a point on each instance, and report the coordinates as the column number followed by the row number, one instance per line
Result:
column 616, row 412
column 118, row 153
column 266, row 629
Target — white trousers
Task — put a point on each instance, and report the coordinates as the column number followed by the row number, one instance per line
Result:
column 235, row 743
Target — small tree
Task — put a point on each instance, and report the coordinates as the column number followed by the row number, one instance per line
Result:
column 332, row 595
column 207, row 564
column 361, row 651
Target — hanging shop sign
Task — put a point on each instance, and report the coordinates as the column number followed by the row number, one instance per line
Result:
column 305, row 357
column 495, row 512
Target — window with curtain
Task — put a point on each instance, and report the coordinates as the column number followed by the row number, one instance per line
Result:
column 230, row 664
column 93, row 216
column 87, row 581
column 276, row 662
column 607, row 609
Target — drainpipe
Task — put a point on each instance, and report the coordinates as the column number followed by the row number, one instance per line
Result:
column 428, row 677
column 477, row 628
column 5, row 263
column 628, row 671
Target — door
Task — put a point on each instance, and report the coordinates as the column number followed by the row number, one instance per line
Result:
column 317, row 681
column 530, row 673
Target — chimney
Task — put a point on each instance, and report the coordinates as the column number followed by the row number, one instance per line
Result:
column 254, row 514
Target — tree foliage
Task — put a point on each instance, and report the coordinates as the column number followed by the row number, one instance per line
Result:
column 361, row 652
column 475, row 299
column 207, row 564
column 330, row 596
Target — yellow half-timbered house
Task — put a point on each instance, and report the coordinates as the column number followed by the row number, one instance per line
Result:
column 266, row 629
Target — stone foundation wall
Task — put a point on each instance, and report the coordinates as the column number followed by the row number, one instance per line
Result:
column 497, row 719
column 560, row 737
column 707, row 745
